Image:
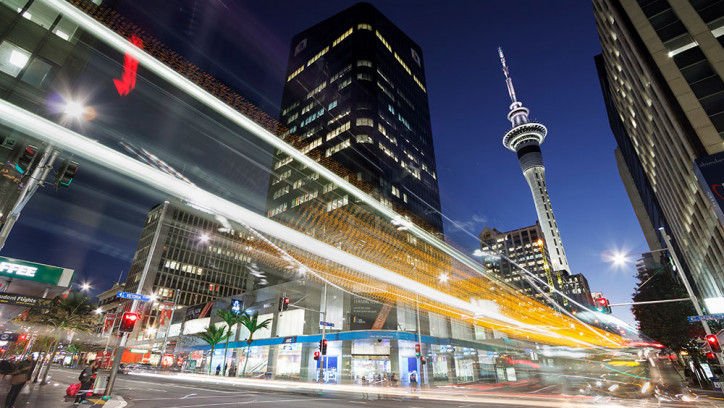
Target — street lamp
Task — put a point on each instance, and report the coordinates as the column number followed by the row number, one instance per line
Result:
column 443, row 278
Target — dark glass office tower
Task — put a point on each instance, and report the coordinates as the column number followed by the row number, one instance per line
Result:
column 355, row 100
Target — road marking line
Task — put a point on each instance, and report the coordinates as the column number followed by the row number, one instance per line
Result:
column 186, row 396
column 238, row 403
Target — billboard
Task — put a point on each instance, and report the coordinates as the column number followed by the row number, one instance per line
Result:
column 710, row 172
column 16, row 268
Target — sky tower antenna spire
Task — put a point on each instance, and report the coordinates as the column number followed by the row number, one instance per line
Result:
column 508, row 79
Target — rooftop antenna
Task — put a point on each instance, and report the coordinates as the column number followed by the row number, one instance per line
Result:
column 508, row 80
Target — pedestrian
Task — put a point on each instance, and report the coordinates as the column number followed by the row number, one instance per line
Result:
column 364, row 388
column 413, row 380
column 232, row 371
column 86, row 382
column 218, row 369
column 19, row 378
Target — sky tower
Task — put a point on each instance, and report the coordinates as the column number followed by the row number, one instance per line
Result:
column 525, row 138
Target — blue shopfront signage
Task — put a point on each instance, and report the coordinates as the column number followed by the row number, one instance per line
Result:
column 710, row 172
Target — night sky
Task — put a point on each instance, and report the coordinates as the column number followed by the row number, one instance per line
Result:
column 549, row 47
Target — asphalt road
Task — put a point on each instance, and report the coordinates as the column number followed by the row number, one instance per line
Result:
column 157, row 391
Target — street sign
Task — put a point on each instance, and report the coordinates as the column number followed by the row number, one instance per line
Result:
column 23, row 300
column 134, row 296
column 718, row 316
column 326, row 324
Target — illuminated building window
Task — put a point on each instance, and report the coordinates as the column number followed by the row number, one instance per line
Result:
column 340, row 73
column 331, row 135
column 345, row 83
column 364, row 139
column 395, row 191
column 365, row 122
column 12, row 59
column 404, row 121
column 391, row 108
column 337, row 148
column 332, row 105
column 277, row 210
column 338, row 117
column 298, row 183
column 308, row 148
column 384, row 42
column 307, row 108
column 388, row 151
column 293, row 117
column 364, row 63
column 281, row 192
column 282, row 177
column 386, row 91
column 342, row 37
column 304, row 198
column 295, row 73
column 311, row 118
column 364, row 27
column 282, row 163
column 417, row 81
column 364, row 76
column 289, row 109
column 341, row 202
column 404, row 197
column 318, row 56
column 329, row 187
column 317, row 89
column 310, row 132
column 397, row 57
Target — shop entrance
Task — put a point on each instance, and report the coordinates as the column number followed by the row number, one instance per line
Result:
column 370, row 366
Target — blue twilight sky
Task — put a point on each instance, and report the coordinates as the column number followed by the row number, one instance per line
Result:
column 549, row 47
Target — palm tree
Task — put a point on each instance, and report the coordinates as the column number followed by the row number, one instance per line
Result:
column 213, row 335
column 252, row 325
column 230, row 318
column 69, row 313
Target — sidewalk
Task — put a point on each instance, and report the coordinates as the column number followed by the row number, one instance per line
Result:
column 52, row 395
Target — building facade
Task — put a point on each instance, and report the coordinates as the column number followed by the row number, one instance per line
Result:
column 355, row 99
column 187, row 250
column 663, row 63
column 524, row 139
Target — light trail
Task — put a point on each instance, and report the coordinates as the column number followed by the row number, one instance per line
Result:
column 75, row 143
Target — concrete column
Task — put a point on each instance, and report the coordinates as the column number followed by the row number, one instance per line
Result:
column 395, row 357
column 346, row 362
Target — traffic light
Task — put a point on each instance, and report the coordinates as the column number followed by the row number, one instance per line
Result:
column 603, row 306
column 65, row 174
column 128, row 322
column 417, row 350
column 316, row 356
column 283, row 303
column 713, row 343
column 422, row 360
column 323, row 346
column 711, row 356
column 26, row 159
column 22, row 337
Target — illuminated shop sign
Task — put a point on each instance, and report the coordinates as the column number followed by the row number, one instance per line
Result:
column 16, row 268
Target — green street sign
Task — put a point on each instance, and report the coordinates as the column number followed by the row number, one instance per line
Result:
column 15, row 268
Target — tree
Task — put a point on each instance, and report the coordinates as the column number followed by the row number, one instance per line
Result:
column 213, row 336
column 252, row 325
column 665, row 322
column 230, row 318
column 68, row 313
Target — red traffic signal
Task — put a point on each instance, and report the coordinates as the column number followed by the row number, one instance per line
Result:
column 417, row 350
column 316, row 355
column 711, row 356
column 323, row 346
column 22, row 337
column 128, row 322
column 422, row 360
column 283, row 303
column 713, row 343
column 603, row 306
column 26, row 159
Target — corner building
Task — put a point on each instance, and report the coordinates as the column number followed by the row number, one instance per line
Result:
column 355, row 98
column 664, row 65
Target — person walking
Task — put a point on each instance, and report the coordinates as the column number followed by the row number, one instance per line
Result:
column 86, row 381
column 364, row 389
column 218, row 369
column 19, row 378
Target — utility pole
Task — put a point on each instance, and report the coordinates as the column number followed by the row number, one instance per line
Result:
column 324, row 331
column 35, row 180
column 165, row 338
column 685, row 281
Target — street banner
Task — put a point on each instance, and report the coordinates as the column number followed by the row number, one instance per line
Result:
column 382, row 317
column 164, row 319
column 108, row 322
column 23, row 300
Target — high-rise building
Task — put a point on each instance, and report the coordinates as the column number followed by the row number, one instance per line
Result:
column 505, row 254
column 523, row 247
column 189, row 250
column 525, row 138
column 663, row 63
column 355, row 99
